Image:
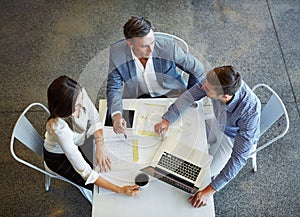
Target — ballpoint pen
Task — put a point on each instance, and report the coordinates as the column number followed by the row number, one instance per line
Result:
column 162, row 134
column 160, row 130
column 124, row 125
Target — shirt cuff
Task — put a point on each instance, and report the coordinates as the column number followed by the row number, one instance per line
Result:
column 93, row 128
column 92, row 177
column 114, row 113
column 219, row 182
column 170, row 116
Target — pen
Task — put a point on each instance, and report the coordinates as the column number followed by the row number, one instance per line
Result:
column 160, row 130
column 124, row 125
column 161, row 134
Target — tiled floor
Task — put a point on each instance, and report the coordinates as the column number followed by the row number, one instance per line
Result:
column 41, row 40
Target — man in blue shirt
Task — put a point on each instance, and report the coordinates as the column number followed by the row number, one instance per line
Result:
column 231, row 134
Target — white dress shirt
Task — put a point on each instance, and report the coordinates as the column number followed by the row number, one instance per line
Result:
column 147, row 78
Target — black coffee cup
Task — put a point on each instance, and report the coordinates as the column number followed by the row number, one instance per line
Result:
column 194, row 105
column 142, row 179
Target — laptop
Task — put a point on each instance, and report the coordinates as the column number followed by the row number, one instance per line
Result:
column 179, row 165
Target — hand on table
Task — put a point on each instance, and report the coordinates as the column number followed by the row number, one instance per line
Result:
column 201, row 197
column 162, row 127
column 132, row 190
column 102, row 160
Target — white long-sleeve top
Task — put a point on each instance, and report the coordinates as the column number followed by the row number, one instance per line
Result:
column 59, row 138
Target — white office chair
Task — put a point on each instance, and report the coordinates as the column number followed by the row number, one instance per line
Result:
column 180, row 42
column 270, row 114
column 26, row 133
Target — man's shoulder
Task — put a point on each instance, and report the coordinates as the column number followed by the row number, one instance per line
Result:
column 248, row 100
column 120, row 52
column 119, row 44
column 248, row 92
column 164, row 48
column 162, row 42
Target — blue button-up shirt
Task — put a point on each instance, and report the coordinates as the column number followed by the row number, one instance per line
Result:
column 239, row 120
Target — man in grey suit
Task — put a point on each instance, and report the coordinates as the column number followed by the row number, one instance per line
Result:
column 142, row 66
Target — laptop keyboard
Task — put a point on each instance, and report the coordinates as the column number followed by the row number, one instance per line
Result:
column 174, row 181
column 179, row 166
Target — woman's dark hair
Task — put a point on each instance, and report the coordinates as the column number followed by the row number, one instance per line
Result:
column 225, row 78
column 62, row 94
column 137, row 26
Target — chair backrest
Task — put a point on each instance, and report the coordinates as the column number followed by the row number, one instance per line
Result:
column 181, row 44
column 26, row 133
column 175, row 38
column 271, row 112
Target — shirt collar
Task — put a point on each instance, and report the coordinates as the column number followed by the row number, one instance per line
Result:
column 236, row 98
column 133, row 55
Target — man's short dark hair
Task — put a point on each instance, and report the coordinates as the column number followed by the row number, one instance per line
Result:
column 137, row 26
column 225, row 78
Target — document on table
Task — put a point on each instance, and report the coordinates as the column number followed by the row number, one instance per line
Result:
column 123, row 153
column 122, row 150
column 149, row 115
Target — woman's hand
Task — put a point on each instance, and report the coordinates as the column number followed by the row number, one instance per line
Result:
column 101, row 158
column 132, row 190
column 129, row 190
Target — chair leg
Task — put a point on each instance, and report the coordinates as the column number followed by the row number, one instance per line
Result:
column 254, row 164
column 47, row 182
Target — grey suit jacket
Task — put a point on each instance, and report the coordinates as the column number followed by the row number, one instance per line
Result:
column 167, row 55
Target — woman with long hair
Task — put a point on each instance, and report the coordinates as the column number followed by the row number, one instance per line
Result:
column 73, row 116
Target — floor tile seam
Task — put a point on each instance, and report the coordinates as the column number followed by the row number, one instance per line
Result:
column 283, row 58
